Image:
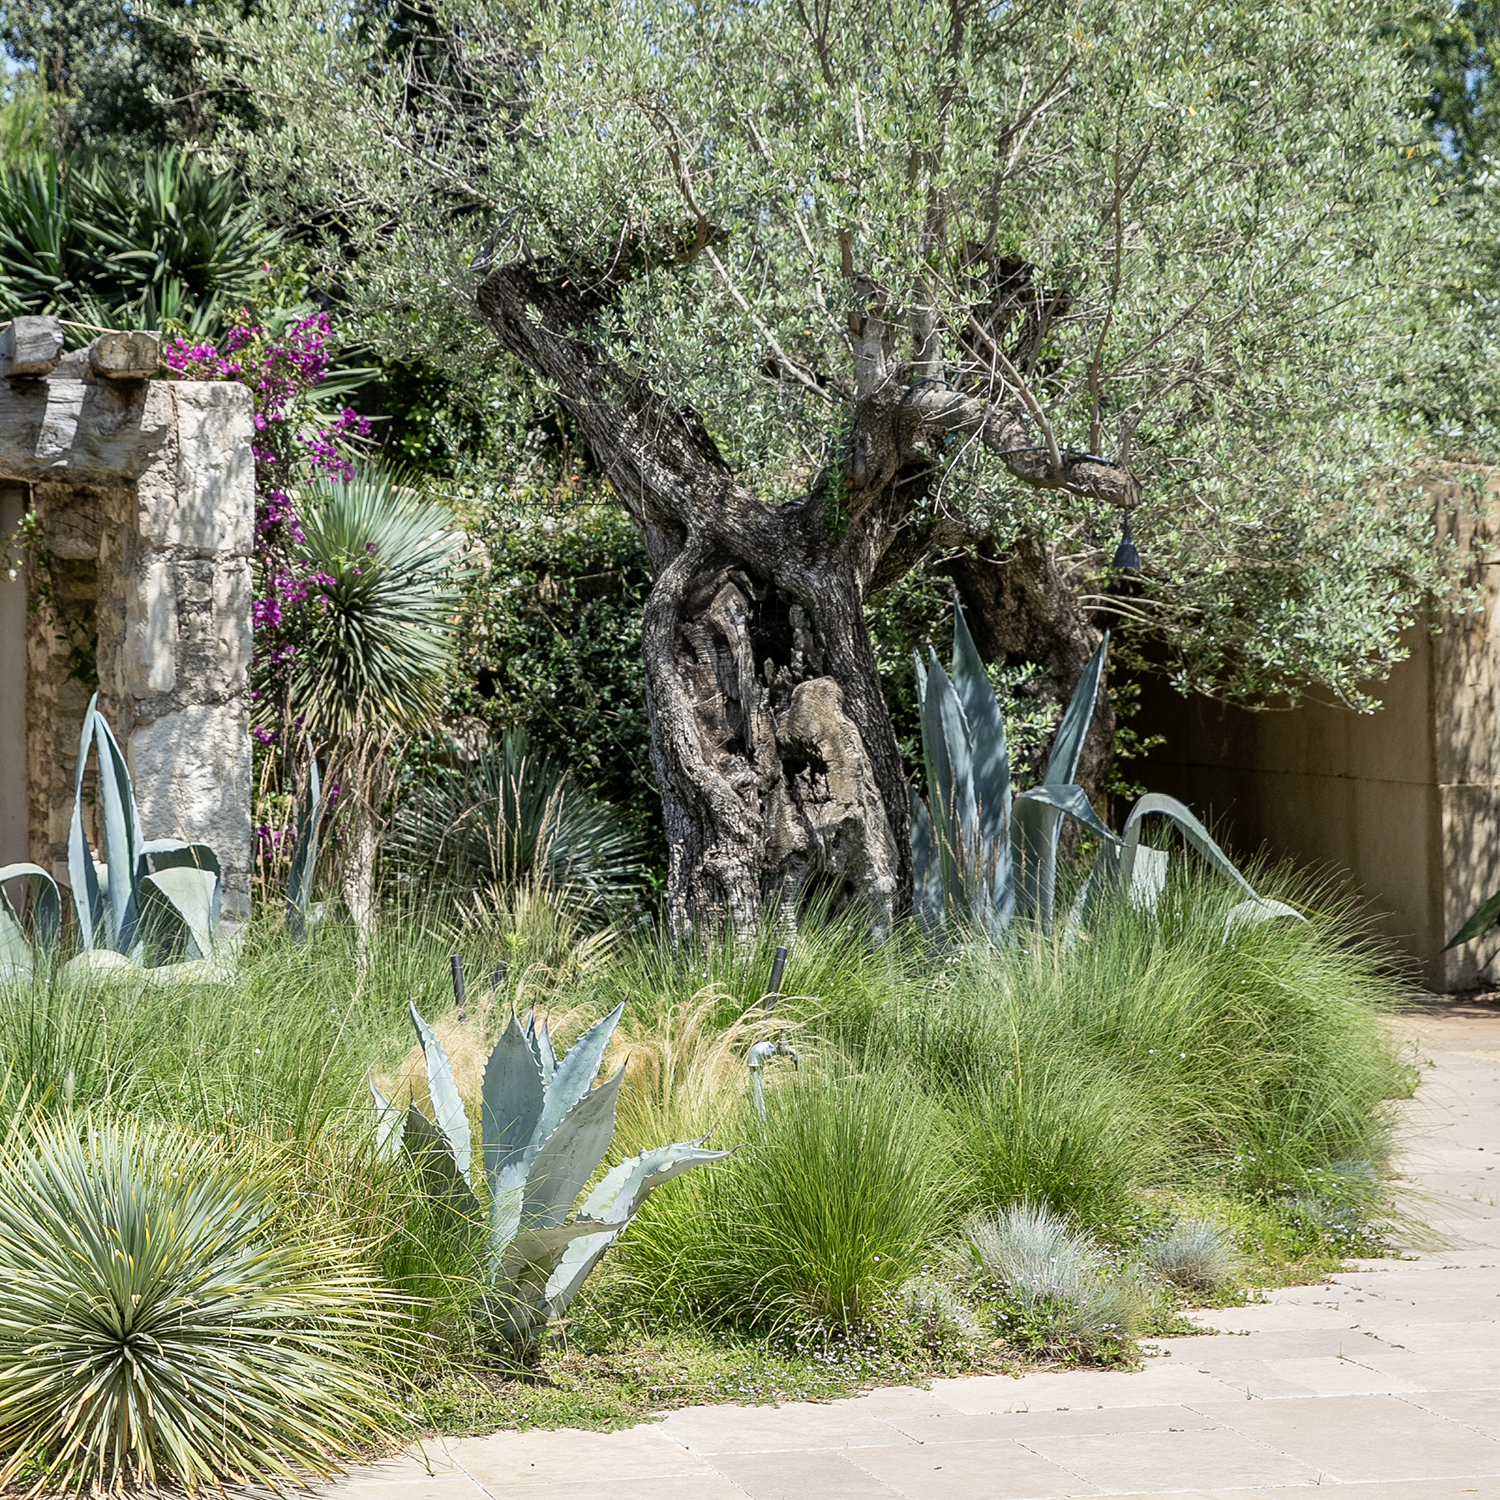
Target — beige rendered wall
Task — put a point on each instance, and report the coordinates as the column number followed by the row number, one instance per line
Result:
column 1405, row 802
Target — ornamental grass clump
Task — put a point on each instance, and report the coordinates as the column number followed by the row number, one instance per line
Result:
column 832, row 1202
column 1166, row 1050
column 159, row 1326
column 1050, row 1289
column 1196, row 1255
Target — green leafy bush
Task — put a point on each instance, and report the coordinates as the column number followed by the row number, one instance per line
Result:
column 551, row 642
column 158, row 1327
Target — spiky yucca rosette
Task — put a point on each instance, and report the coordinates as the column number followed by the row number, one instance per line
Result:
column 158, row 1327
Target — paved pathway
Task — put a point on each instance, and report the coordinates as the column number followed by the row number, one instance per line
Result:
column 1387, row 1379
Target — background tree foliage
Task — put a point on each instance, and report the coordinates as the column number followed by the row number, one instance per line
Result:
column 121, row 82
column 1195, row 234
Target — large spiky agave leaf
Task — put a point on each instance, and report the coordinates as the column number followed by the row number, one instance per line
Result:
column 299, row 880
column 107, row 912
column 17, row 953
column 158, row 1328
column 1037, row 828
column 390, row 568
column 615, row 1202
column 986, row 724
column 447, row 1107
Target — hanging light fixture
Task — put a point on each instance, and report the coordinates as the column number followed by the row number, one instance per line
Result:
column 1127, row 557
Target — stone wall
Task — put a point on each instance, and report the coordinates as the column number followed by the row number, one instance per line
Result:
column 1404, row 802
column 145, row 494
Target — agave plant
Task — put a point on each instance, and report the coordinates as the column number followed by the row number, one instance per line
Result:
column 983, row 855
column 148, row 901
column 545, row 1131
column 156, row 898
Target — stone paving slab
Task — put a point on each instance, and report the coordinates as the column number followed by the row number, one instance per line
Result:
column 1384, row 1382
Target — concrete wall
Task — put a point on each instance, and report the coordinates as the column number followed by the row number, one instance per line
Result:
column 1405, row 801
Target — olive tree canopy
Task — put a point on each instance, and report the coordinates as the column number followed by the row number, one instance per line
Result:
column 829, row 286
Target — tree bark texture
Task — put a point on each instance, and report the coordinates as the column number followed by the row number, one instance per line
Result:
column 774, row 752
column 1021, row 608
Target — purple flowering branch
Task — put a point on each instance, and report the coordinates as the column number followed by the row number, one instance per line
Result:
column 279, row 371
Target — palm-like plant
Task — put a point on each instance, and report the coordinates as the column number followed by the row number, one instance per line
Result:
column 385, row 564
column 378, row 646
column 157, row 1329
column 508, row 816
column 169, row 243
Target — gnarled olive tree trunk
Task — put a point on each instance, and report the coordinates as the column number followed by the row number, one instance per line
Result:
column 776, row 759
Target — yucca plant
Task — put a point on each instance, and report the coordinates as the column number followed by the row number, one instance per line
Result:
column 170, row 243
column 374, row 660
column 157, row 1328
column 511, row 815
column 379, row 645
column 984, row 855
column 545, row 1131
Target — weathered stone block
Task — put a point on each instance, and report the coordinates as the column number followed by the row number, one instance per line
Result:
column 204, row 502
column 192, row 776
column 125, row 356
column 30, row 347
column 234, row 641
column 103, row 432
column 151, row 631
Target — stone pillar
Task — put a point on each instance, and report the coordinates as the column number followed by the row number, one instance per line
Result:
column 145, row 491
column 175, row 639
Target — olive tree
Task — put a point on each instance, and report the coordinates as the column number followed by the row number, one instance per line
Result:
column 829, row 288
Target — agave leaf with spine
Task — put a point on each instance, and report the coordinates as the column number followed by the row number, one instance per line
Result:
column 17, row 950
column 299, row 880
column 1478, row 924
column 982, row 855
column 1141, row 871
column 545, row 1128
